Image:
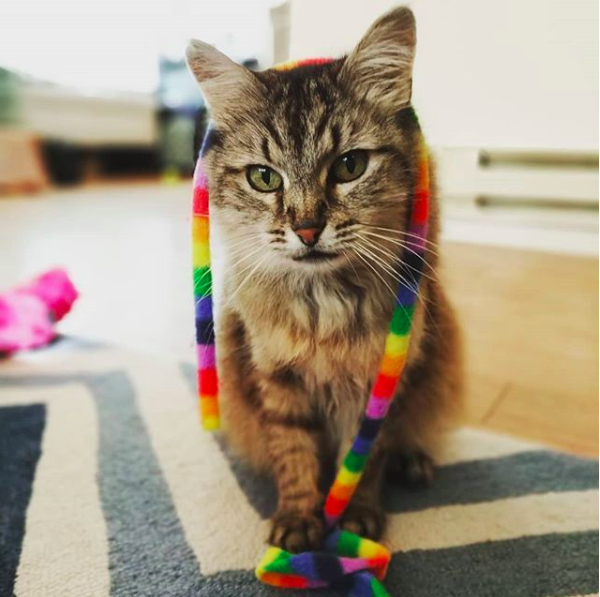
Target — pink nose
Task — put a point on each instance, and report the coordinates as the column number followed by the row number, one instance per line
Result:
column 309, row 235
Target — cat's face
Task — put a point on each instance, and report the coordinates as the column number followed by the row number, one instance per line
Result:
column 310, row 168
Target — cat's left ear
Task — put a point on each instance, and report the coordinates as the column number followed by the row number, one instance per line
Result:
column 380, row 67
column 222, row 81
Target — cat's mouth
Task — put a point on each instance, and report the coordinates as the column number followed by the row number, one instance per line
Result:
column 314, row 256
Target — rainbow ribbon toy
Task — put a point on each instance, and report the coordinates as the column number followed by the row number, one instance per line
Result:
column 347, row 562
column 205, row 328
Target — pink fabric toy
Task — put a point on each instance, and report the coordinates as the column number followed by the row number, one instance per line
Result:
column 28, row 313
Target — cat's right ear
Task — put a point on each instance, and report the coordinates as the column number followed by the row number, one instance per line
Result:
column 380, row 67
column 221, row 80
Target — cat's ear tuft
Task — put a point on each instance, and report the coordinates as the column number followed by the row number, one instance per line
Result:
column 221, row 79
column 380, row 67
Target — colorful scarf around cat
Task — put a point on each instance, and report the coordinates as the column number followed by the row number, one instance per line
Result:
column 346, row 561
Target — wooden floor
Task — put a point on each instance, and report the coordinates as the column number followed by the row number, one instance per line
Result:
column 530, row 319
column 530, row 324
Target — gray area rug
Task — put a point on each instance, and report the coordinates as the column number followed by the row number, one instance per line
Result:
column 108, row 487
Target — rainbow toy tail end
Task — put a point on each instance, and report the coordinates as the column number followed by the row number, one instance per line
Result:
column 349, row 562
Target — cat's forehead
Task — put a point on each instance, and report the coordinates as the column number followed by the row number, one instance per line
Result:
column 299, row 117
column 309, row 108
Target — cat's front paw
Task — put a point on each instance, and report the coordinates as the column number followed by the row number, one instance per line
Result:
column 413, row 470
column 296, row 532
column 364, row 519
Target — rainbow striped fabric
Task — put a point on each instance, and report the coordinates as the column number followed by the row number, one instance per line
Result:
column 205, row 333
column 290, row 65
column 347, row 561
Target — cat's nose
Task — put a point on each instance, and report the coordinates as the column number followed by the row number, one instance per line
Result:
column 308, row 232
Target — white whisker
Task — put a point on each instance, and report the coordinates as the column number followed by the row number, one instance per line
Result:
column 404, row 246
column 388, row 268
column 401, row 279
column 256, row 266
column 402, row 233
column 364, row 260
column 377, row 246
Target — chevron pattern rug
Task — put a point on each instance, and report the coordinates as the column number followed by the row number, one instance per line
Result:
column 108, row 487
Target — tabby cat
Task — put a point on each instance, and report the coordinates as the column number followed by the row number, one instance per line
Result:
column 311, row 172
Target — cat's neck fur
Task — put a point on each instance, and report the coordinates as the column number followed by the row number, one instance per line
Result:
column 324, row 306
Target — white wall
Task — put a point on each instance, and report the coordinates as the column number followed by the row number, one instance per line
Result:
column 505, row 73
column 100, row 45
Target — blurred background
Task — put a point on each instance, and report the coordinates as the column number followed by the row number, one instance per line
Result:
column 99, row 121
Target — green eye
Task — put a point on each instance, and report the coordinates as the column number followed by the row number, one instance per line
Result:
column 264, row 179
column 350, row 166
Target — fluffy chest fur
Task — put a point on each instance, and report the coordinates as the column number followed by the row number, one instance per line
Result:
column 323, row 335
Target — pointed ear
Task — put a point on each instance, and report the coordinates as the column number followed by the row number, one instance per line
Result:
column 221, row 80
column 380, row 67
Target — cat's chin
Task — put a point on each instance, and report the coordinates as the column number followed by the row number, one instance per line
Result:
column 312, row 261
column 315, row 256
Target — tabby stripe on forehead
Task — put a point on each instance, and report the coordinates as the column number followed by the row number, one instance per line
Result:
column 273, row 133
column 296, row 110
column 320, row 128
column 265, row 149
column 335, row 138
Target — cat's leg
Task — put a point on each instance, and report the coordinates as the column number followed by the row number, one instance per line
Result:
column 402, row 452
column 294, row 438
column 427, row 404
column 418, row 420
column 267, row 419
column 429, row 399
column 412, row 466
column 239, row 395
